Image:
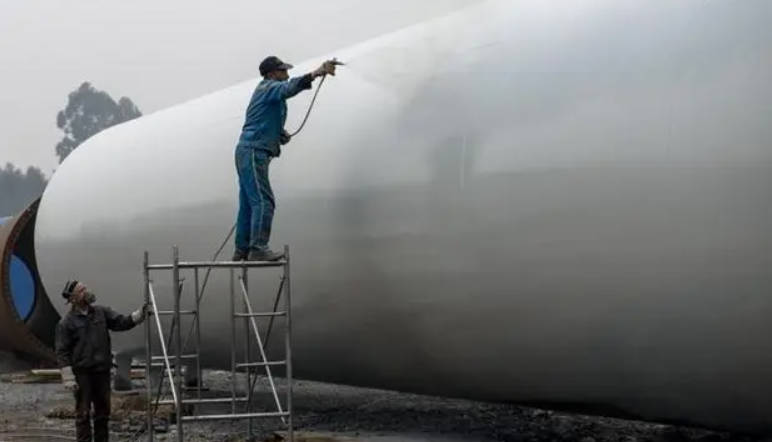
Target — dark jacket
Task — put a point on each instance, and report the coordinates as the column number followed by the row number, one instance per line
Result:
column 83, row 341
column 267, row 112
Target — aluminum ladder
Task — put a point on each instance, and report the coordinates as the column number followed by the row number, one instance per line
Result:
column 173, row 356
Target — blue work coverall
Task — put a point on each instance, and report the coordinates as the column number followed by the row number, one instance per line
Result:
column 258, row 144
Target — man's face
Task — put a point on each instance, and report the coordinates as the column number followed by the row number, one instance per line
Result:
column 280, row 75
column 81, row 296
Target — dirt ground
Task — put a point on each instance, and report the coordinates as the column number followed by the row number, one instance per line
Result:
column 326, row 413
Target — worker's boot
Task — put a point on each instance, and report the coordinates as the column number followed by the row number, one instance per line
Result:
column 264, row 255
column 239, row 255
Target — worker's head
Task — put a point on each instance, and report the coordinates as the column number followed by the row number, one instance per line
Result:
column 275, row 69
column 77, row 294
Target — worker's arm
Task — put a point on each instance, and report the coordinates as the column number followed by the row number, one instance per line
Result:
column 63, row 345
column 290, row 88
column 294, row 86
column 118, row 322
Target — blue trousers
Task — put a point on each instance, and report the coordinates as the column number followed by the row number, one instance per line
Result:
column 256, row 201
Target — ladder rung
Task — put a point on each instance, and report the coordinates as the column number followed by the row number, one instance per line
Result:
column 193, row 401
column 173, row 358
column 251, row 315
column 260, row 364
column 171, row 312
column 163, row 364
column 211, row 417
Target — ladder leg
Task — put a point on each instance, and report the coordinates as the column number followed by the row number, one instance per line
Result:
column 248, row 357
column 198, row 337
column 177, row 340
column 148, row 351
column 233, row 343
column 288, row 343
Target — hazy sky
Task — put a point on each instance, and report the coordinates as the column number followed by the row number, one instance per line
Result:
column 160, row 53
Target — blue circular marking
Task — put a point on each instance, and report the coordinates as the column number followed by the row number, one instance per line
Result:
column 22, row 287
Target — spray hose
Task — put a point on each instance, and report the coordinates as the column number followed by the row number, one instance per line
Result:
column 310, row 107
column 335, row 62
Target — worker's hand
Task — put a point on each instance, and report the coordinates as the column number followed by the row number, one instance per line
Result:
column 139, row 314
column 327, row 68
column 71, row 386
column 68, row 379
column 285, row 137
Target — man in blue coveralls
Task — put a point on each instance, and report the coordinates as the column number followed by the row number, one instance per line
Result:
column 261, row 137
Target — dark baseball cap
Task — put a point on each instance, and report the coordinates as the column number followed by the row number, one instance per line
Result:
column 273, row 63
column 69, row 288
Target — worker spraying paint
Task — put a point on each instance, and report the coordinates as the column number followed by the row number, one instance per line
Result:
column 85, row 356
column 261, row 139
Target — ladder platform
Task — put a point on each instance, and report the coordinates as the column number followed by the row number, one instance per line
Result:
column 218, row 264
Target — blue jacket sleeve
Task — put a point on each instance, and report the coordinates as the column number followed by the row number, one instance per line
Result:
column 288, row 89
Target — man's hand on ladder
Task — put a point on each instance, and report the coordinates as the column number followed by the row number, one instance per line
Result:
column 138, row 316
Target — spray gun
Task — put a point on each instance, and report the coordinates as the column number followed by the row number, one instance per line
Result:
column 334, row 62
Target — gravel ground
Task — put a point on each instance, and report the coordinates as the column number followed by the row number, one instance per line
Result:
column 341, row 413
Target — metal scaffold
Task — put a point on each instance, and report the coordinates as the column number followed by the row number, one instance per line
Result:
column 175, row 353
